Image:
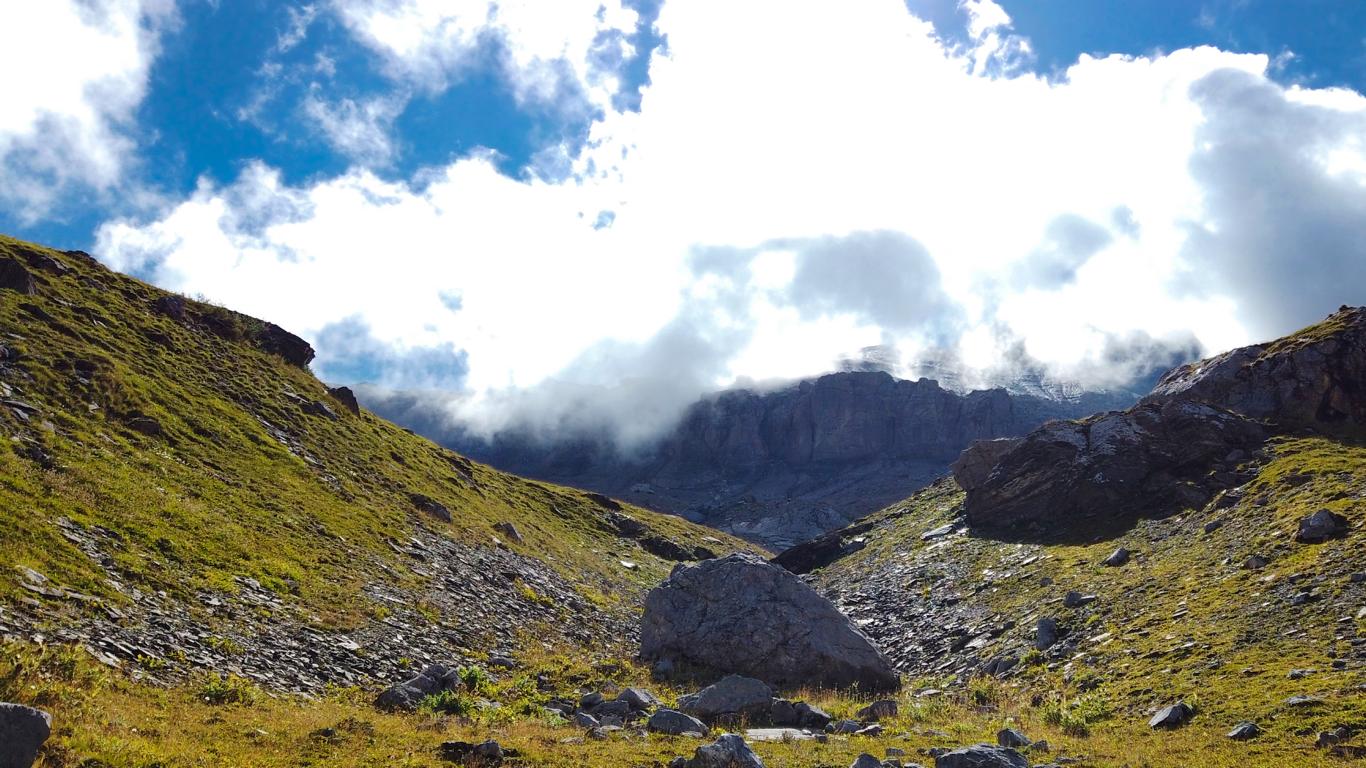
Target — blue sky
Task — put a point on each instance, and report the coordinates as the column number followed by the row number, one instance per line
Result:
column 520, row 204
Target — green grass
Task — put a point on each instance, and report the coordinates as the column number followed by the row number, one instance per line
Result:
column 217, row 497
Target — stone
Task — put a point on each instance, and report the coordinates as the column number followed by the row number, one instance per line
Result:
column 1303, row 701
column 842, row 726
column 1076, row 599
column 878, row 710
column 430, row 506
column 674, row 723
column 810, row 716
column 509, row 530
column 728, row 751
column 870, row 730
column 1213, row 526
column 15, row 277
column 866, row 760
column 981, row 756
column 741, row 614
column 1172, row 716
column 1009, row 737
column 591, row 699
column 1320, row 527
column 731, row 695
column 1117, row 558
column 1045, row 633
column 1255, row 563
column 346, row 397
column 145, row 425
column 1244, row 731
column 406, row 696
column 23, row 731
column 638, row 699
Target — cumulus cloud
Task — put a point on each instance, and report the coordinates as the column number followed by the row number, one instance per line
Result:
column 359, row 130
column 75, row 73
column 763, row 216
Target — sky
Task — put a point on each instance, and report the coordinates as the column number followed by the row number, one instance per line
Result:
column 581, row 215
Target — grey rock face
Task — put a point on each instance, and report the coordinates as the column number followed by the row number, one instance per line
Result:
column 1152, row 458
column 23, row 731
column 638, row 699
column 14, row 277
column 1311, row 379
column 731, row 695
column 866, row 760
column 1009, row 737
column 740, row 614
column 1117, row 558
column 782, row 467
column 431, row 506
column 346, row 397
column 981, row 756
column 1182, row 443
column 728, row 751
column 974, row 464
column 674, row 723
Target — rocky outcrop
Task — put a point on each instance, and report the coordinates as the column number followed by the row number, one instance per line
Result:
column 14, row 277
column 1152, row 459
column 276, row 340
column 728, row 751
column 740, row 614
column 1314, row 379
column 23, row 731
column 973, row 466
column 1182, row 444
column 783, row 466
column 981, row 756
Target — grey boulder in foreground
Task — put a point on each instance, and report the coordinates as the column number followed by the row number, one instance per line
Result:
column 23, row 731
column 741, row 614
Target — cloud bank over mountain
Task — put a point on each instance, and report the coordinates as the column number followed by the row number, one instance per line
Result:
column 795, row 182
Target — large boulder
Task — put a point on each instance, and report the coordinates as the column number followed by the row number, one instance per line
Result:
column 974, row 465
column 23, row 730
column 674, row 723
column 295, row 351
column 740, row 614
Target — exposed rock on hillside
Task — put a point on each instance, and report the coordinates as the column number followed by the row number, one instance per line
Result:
column 787, row 465
column 23, row 730
column 740, row 614
column 1182, row 444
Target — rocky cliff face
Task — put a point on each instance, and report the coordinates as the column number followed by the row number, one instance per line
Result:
column 1184, row 443
column 783, row 466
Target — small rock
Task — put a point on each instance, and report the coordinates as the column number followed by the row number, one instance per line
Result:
column 674, row 723
column 591, row 700
column 23, row 731
column 878, row 710
column 1172, row 716
column 346, row 397
column 430, row 506
column 866, row 760
column 981, row 756
column 638, row 699
column 842, row 726
column 870, row 730
column 1213, row 526
column 509, row 530
column 145, row 425
column 1255, row 563
column 1302, row 701
column 1045, row 634
column 1298, row 674
column 1321, row 526
column 728, row 751
column 1077, row 599
column 585, row 720
column 1117, row 558
column 1244, row 731
column 1009, row 737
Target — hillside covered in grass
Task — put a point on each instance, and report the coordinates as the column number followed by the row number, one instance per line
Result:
column 178, row 491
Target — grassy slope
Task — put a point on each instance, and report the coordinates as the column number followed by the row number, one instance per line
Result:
column 218, row 496
column 1183, row 619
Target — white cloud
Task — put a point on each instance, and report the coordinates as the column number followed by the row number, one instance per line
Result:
column 771, row 126
column 550, row 52
column 360, row 130
column 75, row 72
